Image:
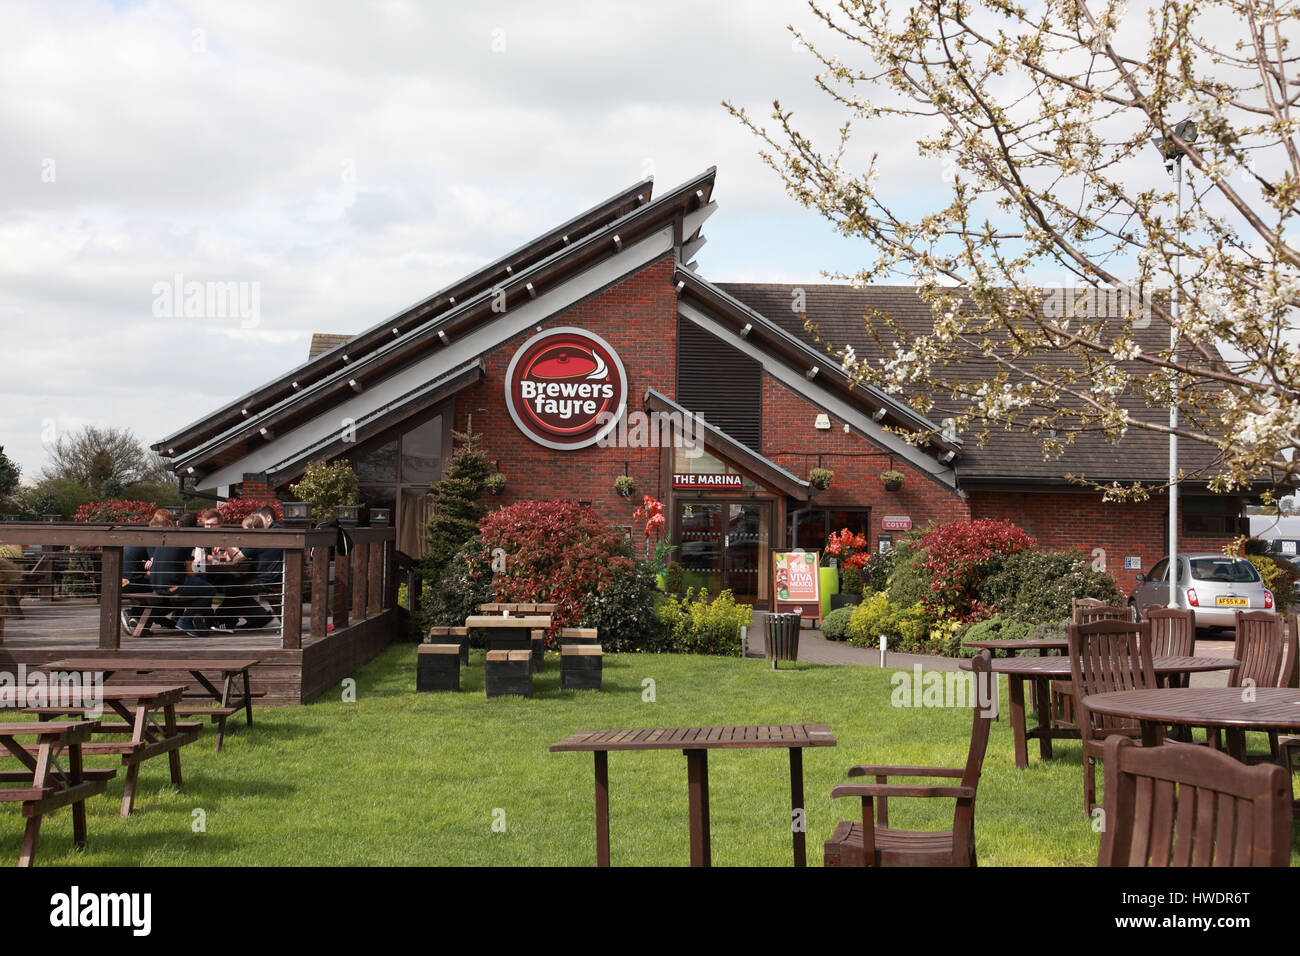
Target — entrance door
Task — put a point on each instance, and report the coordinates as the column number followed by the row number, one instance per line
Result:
column 725, row 545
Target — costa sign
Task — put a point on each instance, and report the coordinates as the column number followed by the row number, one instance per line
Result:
column 896, row 523
column 566, row 388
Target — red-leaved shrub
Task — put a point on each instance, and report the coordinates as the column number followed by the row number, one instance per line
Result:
column 554, row 552
column 116, row 512
column 958, row 555
column 236, row 510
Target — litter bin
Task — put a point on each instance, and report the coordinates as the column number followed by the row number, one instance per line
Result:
column 781, row 638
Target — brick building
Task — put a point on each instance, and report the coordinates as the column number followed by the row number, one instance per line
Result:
column 595, row 351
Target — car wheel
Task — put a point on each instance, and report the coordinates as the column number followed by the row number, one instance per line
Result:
column 1134, row 611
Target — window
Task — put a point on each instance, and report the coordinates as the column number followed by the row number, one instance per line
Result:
column 808, row 528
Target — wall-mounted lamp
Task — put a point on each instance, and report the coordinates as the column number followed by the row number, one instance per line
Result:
column 266, row 433
column 354, row 385
column 947, row 459
column 879, row 416
column 744, row 333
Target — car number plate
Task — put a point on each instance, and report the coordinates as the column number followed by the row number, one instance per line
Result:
column 1232, row 601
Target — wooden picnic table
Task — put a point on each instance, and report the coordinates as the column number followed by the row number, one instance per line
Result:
column 1226, row 708
column 228, row 700
column 498, row 608
column 148, row 740
column 695, row 743
column 509, row 633
column 1042, row 670
column 43, row 785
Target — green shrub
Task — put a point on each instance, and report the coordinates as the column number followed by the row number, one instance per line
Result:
column 835, row 625
column 624, row 611
column 907, row 581
column 465, row 583
column 1037, row 587
column 998, row 629
column 674, row 579
column 1279, row 576
column 875, row 573
column 696, row 625
column 325, row 485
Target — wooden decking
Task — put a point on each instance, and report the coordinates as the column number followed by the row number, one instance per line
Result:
column 49, row 631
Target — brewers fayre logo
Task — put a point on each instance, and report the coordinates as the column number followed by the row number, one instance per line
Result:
column 566, row 388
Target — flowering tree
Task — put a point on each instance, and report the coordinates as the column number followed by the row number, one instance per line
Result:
column 1044, row 118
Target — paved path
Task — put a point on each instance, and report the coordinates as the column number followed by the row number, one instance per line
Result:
column 815, row 649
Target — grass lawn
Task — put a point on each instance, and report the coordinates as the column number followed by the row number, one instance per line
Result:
column 399, row 778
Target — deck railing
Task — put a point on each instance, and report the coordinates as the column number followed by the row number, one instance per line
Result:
column 363, row 582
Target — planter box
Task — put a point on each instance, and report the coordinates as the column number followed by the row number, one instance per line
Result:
column 437, row 667
column 509, row 673
column 580, row 666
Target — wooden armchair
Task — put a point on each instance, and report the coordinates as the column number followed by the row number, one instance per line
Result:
column 1107, row 656
column 1085, row 611
column 872, row 843
column 1190, row 806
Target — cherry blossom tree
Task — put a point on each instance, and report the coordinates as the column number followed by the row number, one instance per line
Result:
column 1050, row 122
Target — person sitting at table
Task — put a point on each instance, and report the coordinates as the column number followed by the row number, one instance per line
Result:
column 238, row 567
column 135, row 580
column 172, row 574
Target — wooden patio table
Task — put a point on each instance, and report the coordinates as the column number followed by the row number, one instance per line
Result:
column 148, row 740
column 43, row 785
column 1043, row 645
column 1228, row 708
column 1042, row 670
column 509, row 633
column 695, row 743
column 228, row 700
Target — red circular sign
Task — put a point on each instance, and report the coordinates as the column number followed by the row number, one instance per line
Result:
column 566, row 388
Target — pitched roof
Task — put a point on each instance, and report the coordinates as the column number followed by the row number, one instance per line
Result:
column 223, row 439
column 841, row 314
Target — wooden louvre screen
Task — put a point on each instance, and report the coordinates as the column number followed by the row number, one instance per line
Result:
column 721, row 384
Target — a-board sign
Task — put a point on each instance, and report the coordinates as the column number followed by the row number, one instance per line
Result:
column 796, row 583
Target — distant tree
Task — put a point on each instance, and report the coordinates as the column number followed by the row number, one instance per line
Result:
column 106, row 461
column 9, row 472
column 457, row 509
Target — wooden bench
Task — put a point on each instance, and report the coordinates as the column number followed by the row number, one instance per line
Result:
column 437, row 667
column 579, row 635
column 42, row 785
column 580, row 666
column 509, row 673
column 451, row 635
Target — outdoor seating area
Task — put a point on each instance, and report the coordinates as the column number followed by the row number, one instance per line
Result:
column 514, row 637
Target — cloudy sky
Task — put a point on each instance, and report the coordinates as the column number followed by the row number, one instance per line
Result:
column 349, row 159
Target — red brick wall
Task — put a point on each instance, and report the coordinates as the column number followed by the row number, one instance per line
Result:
column 790, row 440
column 1064, row 520
column 638, row 317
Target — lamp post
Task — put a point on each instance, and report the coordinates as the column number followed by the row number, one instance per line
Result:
column 1173, row 155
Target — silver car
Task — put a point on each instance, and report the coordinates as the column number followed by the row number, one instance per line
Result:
column 1212, row 585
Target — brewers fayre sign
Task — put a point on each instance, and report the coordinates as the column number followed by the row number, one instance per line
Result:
column 566, row 388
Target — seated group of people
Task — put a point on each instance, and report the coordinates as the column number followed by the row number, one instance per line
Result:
column 195, row 576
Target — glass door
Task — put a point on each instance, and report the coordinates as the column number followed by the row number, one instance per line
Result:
column 725, row 544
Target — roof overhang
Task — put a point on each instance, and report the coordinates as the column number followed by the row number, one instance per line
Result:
column 764, row 469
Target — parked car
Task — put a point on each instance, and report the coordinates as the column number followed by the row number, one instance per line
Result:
column 1212, row 585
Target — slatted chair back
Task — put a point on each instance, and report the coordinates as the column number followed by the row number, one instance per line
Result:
column 1258, row 649
column 1291, row 652
column 1108, row 656
column 1177, row 805
column 1090, row 610
column 985, row 689
column 1173, row 631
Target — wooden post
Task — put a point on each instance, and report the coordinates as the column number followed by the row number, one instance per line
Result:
column 376, row 575
column 390, row 575
column 110, row 599
column 342, row 589
column 291, row 610
column 320, row 588
column 360, row 579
